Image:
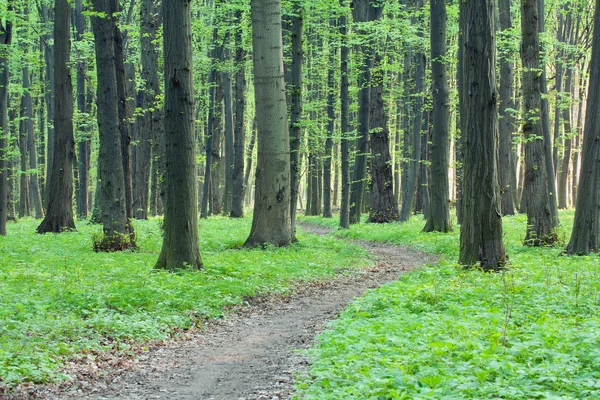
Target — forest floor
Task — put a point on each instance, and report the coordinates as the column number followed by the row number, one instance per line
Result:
column 252, row 353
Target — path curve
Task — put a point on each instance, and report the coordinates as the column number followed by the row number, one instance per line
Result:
column 251, row 354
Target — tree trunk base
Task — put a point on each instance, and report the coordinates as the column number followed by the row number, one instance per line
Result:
column 115, row 242
column 56, row 224
column 383, row 217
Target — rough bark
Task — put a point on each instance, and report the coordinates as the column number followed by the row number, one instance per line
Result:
column 237, row 201
column 507, row 118
column 180, row 240
column 50, row 94
column 271, row 222
column 5, row 42
column 383, row 204
column 295, row 95
column 540, row 223
column 481, row 229
column 117, row 234
column 439, row 205
column 84, row 143
column 585, row 236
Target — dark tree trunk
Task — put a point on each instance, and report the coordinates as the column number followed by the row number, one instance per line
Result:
column 50, row 95
column 507, row 118
column 481, row 229
column 25, row 123
column 271, row 222
column 180, row 240
column 540, row 224
column 295, row 94
column 439, row 209
column 217, row 139
column 237, row 204
column 462, row 119
column 5, row 42
column 35, row 196
column 59, row 214
column 113, row 205
column 383, row 204
column 585, row 236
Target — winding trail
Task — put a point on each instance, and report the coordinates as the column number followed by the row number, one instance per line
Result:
column 251, row 354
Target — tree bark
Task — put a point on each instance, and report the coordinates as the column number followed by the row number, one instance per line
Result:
column 117, row 233
column 5, row 42
column 439, row 191
column 327, row 158
column 271, row 222
column 237, row 204
column 180, row 240
column 59, row 214
column 481, row 229
column 507, row 118
column 295, row 95
column 84, row 143
column 228, row 142
column 540, row 223
column 585, row 236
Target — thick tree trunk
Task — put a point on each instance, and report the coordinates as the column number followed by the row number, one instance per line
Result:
column 439, row 191
column 180, row 240
column 540, row 223
column 5, row 42
column 507, row 118
column 50, row 95
column 237, row 202
column 113, row 205
column 383, row 204
column 585, row 236
column 271, row 223
column 481, row 229
column 59, row 214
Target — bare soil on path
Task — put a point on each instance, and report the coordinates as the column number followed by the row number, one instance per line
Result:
column 252, row 353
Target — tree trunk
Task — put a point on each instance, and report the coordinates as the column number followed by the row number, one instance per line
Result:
column 113, row 206
column 585, row 236
column 481, row 229
column 439, row 191
column 50, row 95
column 5, row 42
column 507, row 118
column 228, row 142
column 24, row 125
column 327, row 158
column 540, row 223
column 84, row 142
column 237, row 204
column 217, row 138
column 271, row 222
column 59, row 213
column 180, row 240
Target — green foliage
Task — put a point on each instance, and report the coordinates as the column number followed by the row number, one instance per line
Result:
column 60, row 299
column 444, row 332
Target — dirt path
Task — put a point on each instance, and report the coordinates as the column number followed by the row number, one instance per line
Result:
column 251, row 354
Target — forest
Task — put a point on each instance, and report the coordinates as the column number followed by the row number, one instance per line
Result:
column 308, row 199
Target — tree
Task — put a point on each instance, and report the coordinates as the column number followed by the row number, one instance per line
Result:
column 345, row 122
column 439, row 210
column 5, row 42
column 271, row 222
column 180, row 241
column 585, row 236
column 118, row 233
column 59, row 213
column 481, row 229
column 540, row 222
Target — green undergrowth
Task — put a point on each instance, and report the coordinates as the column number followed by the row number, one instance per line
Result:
column 444, row 332
column 60, row 299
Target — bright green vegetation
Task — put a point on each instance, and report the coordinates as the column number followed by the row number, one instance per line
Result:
column 60, row 299
column 444, row 332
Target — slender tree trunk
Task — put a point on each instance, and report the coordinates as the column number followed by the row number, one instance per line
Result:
column 327, row 158
column 217, row 138
column 481, row 229
column 113, row 205
column 237, row 205
column 5, row 42
column 180, row 240
column 439, row 209
column 540, row 223
column 271, row 222
column 50, row 97
column 507, row 118
column 228, row 142
column 24, row 125
column 249, row 158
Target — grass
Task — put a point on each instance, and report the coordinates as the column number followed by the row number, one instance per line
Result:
column 59, row 299
column 444, row 332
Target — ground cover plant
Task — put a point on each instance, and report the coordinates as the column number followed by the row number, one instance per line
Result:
column 444, row 332
column 59, row 299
